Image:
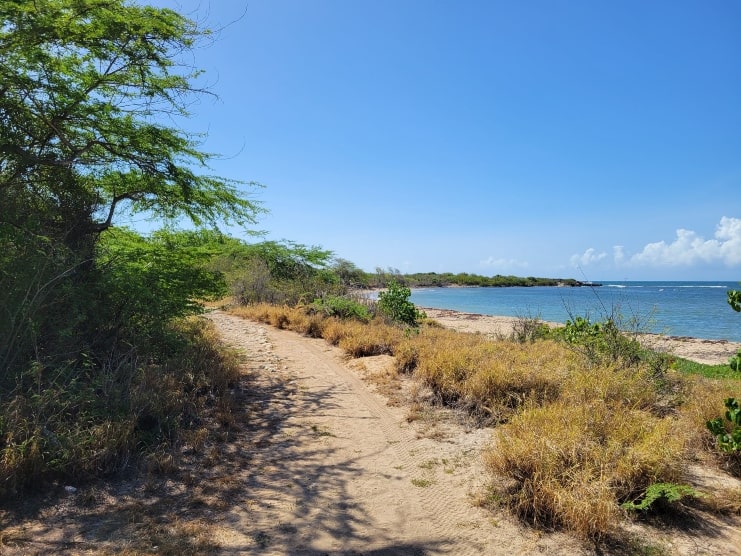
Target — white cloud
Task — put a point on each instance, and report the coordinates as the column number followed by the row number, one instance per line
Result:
column 689, row 248
column 503, row 264
column 590, row 256
column 618, row 254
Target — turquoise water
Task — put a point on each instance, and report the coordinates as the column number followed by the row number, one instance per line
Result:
column 697, row 309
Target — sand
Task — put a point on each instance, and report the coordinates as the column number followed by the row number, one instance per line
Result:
column 710, row 352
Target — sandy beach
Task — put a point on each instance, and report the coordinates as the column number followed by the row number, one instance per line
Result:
column 710, row 352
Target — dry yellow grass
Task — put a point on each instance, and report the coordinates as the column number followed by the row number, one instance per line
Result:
column 635, row 386
column 334, row 330
column 279, row 316
column 375, row 338
column 571, row 465
column 705, row 402
column 725, row 501
column 355, row 338
column 492, row 379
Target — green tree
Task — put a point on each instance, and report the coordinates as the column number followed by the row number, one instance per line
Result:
column 85, row 85
column 89, row 91
column 349, row 274
column 153, row 280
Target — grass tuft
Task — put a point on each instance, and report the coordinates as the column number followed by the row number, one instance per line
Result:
column 571, row 465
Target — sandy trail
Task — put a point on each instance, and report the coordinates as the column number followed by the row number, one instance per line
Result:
column 315, row 462
column 341, row 472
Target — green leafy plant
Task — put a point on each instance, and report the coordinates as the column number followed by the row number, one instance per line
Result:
column 734, row 300
column 735, row 361
column 599, row 340
column 728, row 441
column 395, row 304
column 668, row 492
column 342, row 307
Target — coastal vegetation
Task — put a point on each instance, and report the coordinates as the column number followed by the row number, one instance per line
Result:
column 589, row 426
column 727, row 431
column 100, row 362
column 105, row 363
column 383, row 277
column 734, row 300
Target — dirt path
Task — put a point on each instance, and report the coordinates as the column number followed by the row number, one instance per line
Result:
column 341, row 472
column 312, row 460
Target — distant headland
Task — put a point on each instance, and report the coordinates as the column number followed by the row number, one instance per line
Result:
column 464, row 279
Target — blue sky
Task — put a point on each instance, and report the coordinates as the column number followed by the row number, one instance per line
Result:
column 588, row 139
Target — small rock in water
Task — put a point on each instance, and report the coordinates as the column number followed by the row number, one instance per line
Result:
column 70, row 489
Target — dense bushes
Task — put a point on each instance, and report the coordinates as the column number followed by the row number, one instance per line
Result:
column 600, row 341
column 342, row 307
column 111, row 369
column 277, row 272
column 77, row 422
column 94, row 367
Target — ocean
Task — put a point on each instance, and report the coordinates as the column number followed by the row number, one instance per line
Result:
column 696, row 309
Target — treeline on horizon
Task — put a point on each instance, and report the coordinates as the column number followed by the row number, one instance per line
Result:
column 290, row 272
column 434, row 279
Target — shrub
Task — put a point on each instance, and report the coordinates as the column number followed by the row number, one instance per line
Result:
column 395, row 304
column 635, row 387
column 310, row 325
column 600, row 341
column 734, row 300
column 491, row 379
column 376, row 338
column 735, row 361
column 406, row 356
column 342, row 307
column 529, row 329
